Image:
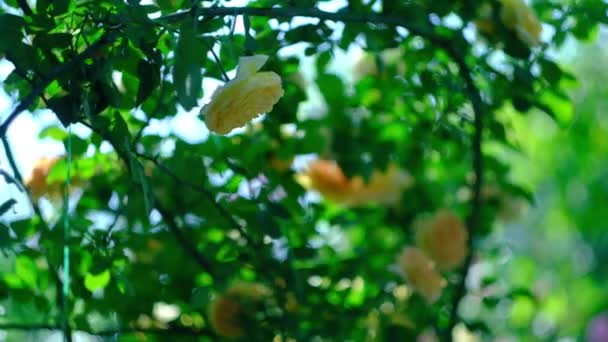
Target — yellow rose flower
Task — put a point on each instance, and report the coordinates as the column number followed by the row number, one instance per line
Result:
column 419, row 270
column 243, row 98
column 383, row 187
column 517, row 16
column 229, row 310
column 443, row 237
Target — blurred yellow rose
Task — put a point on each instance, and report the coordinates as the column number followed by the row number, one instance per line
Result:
column 517, row 16
column 243, row 98
column 368, row 66
column 229, row 310
column 383, row 187
column 37, row 181
column 419, row 270
column 443, row 237
column 326, row 177
column 39, row 185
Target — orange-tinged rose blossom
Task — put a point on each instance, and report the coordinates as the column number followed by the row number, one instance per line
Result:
column 280, row 165
column 328, row 179
column 367, row 65
column 384, row 187
column 37, row 181
column 420, row 272
column 486, row 26
column 517, row 16
column 443, row 237
column 243, row 98
column 229, row 310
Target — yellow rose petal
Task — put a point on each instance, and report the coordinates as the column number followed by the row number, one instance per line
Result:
column 245, row 97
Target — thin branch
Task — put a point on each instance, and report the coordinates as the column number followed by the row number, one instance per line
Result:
column 38, row 212
column 167, row 216
column 109, row 332
column 205, row 192
column 169, row 219
column 474, row 219
column 25, row 7
column 290, row 12
column 106, row 39
column 217, row 61
column 110, row 229
column 11, row 160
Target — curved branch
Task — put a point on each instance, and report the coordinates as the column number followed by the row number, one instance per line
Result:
column 106, row 39
column 109, row 332
column 169, row 219
column 27, row 10
column 474, row 218
column 290, row 12
column 58, row 282
column 205, row 192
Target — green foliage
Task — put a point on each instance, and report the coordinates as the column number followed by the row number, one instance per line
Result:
column 159, row 218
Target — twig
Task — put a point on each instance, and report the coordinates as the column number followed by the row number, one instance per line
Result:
column 38, row 212
column 106, row 39
column 106, row 236
column 217, row 61
column 290, row 12
column 205, row 192
column 25, row 7
column 11, row 160
column 109, row 332
column 169, row 219
column 474, row 219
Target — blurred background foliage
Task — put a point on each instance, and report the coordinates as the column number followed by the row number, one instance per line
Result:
column 168, row 229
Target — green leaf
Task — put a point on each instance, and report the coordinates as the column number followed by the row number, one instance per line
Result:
column 187, row 70
column 120, row 133
column 26, row 270
column 10, row 31
column 60, row 6
column 50, row 41
column 78, row 145
column 139, row 177
column 53, row 132
column 562, row 110
column 332, row 88
column 67, row 108
column 5, row 236
column 149, row 77
column 250, row 44
column 94, row 282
